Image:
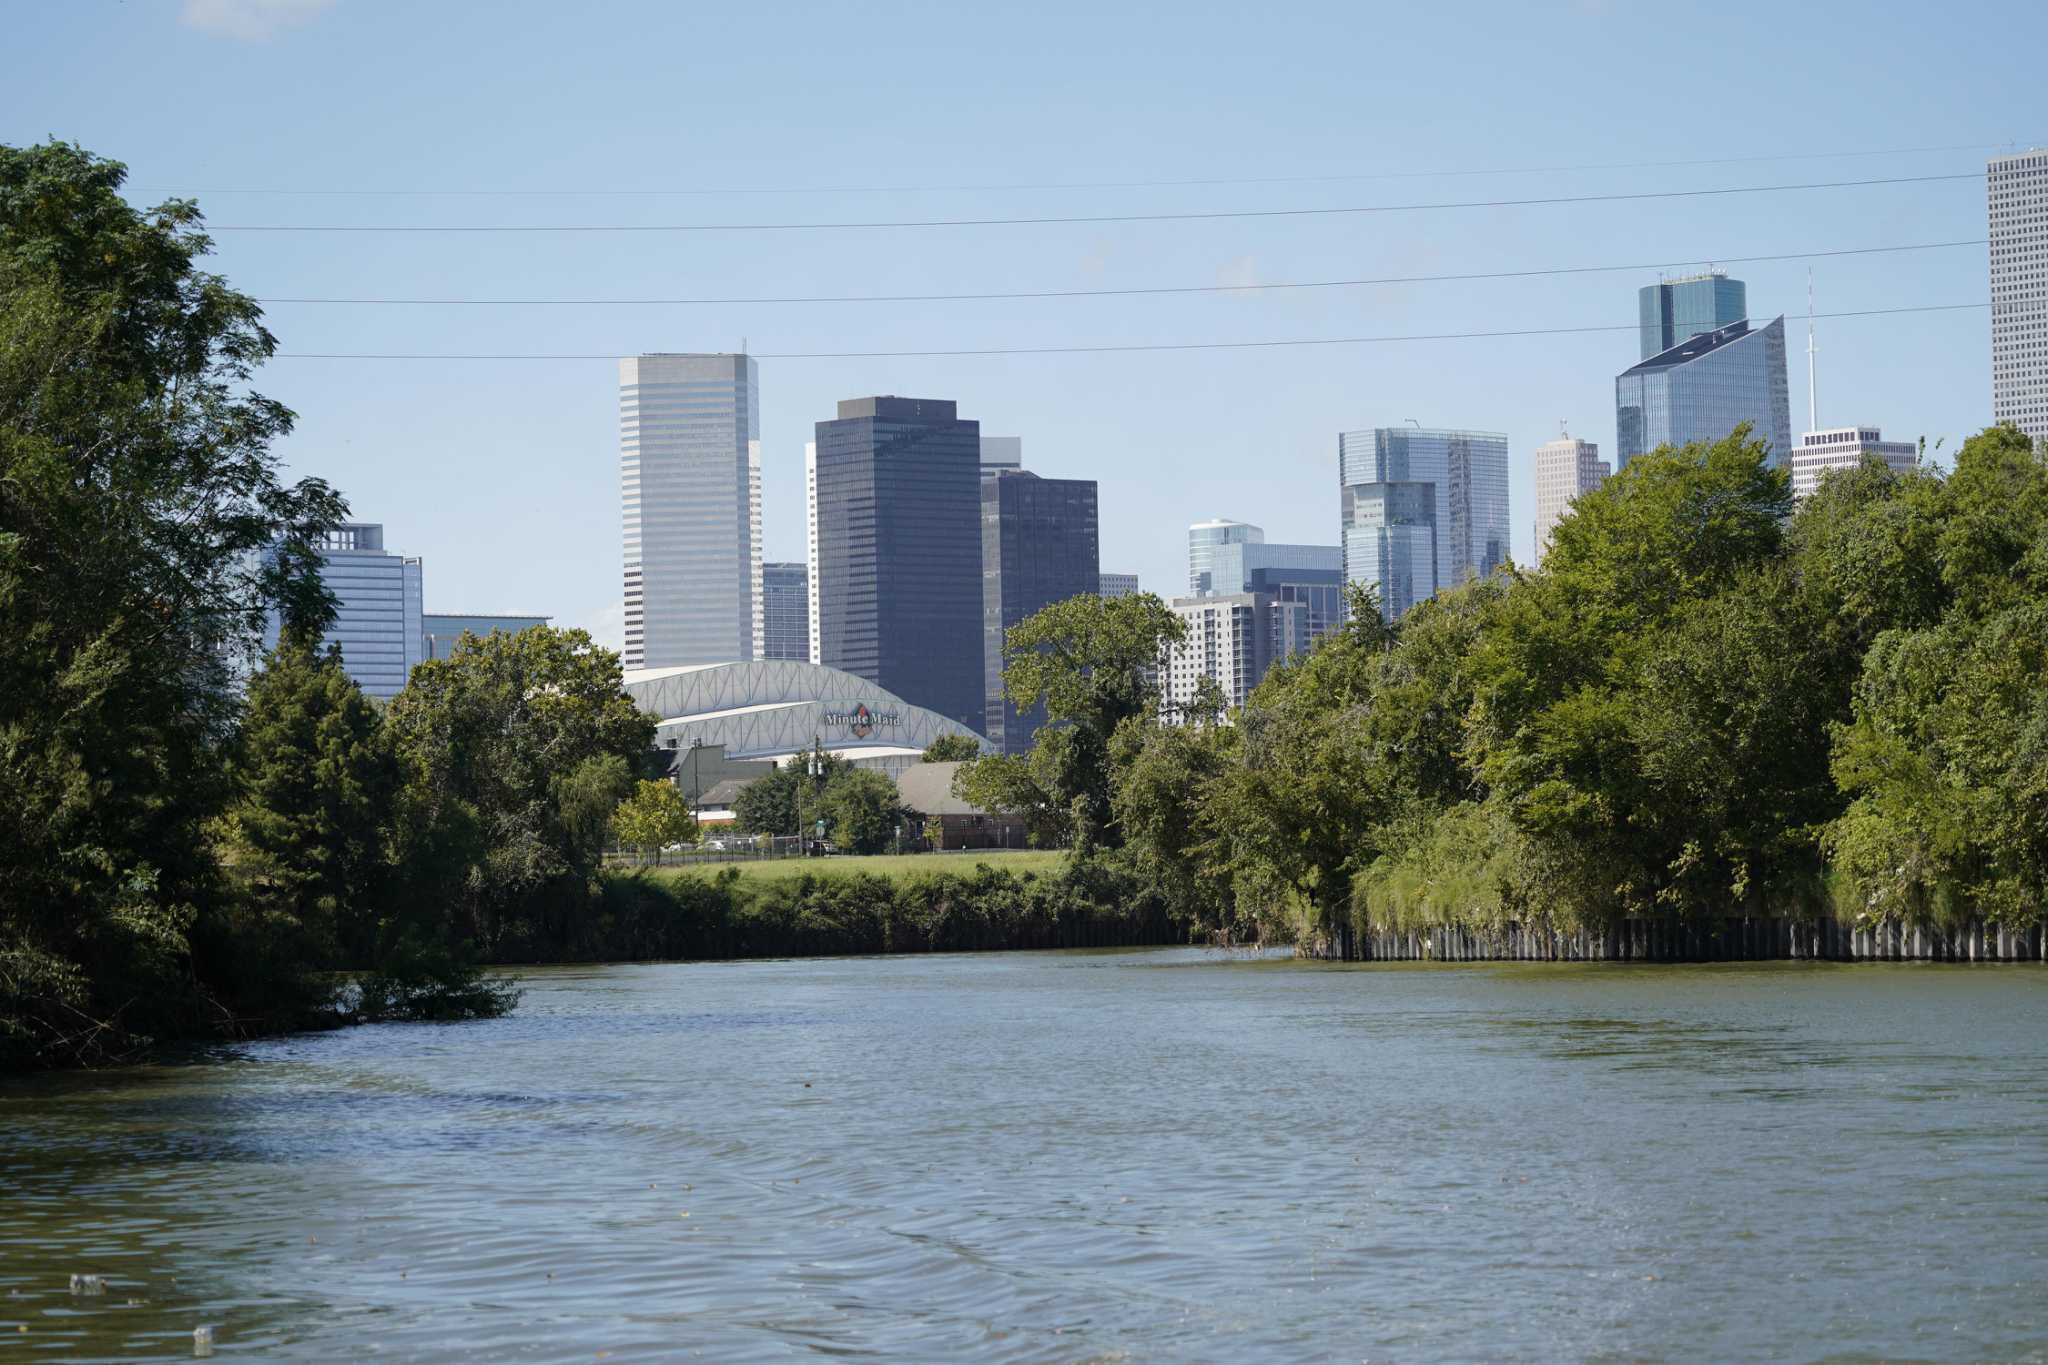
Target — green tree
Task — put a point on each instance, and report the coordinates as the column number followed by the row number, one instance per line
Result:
column 517, row 747
column 144, row 535
column 1163, row 804
column 652, row 818
column 1091, row 661
column 315, row 782
column 863, row 808
column 1010, row 783
column 952, row 749
column 794, row 793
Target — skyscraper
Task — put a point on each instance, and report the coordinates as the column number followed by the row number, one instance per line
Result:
column 441, row 632
column 2018, row 193
column 1845, row 448
column 1701, row 389
column 1234, row 639
column 785, row 611
column 811, row 545
column 1309, row 574
column 898, row 561
column 1677, row 310
column 690, row 480
column 1204, row 539
column 1565, row 468
column 1117, row 584
column 1422, row 510
column 1038, row 546
column 378, row 622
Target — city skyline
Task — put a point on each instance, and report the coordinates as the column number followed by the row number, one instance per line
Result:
column 474, row 464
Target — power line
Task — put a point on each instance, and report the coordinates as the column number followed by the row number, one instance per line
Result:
column 1216, row 182
column 1110, row 349
column 1142, row 290
column 1201, row 216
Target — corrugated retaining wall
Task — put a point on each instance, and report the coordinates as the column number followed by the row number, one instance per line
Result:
column 1735, row 939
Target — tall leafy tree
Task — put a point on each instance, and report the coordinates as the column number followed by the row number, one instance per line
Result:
column 516, row 749
column 315, row 781
column 144, row 535
column 790, row 798
column 864, row 808
column 1091, row 660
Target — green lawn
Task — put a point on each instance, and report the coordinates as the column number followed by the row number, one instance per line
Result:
column 883, row 864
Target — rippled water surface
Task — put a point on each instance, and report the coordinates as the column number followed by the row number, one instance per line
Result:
column 1072, row 1156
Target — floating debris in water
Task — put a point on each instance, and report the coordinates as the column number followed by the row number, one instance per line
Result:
column 202, row 1341
column 88, row 1284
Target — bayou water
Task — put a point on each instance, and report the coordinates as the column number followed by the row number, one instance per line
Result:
column 1071, row 1156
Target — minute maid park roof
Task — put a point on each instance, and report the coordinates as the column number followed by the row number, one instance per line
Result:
column 766, row 708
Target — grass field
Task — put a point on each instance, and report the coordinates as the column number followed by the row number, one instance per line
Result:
column 881, row 864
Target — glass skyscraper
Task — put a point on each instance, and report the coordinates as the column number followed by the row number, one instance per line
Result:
column 1703, row 388
column 690, row 487
column 378, row 622
column 1673, row 311
column 1309, row 574
column 1204, row 539
column 1423, row 510
column 898, row 560
column 1039, row 545
column 785, row 611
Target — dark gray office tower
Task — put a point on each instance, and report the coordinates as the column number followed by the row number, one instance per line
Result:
column 785, row 611
column 1038, row 546
column 1674, row 311
column 899, row 551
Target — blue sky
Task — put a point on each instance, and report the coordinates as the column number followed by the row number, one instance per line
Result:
column 503, row 476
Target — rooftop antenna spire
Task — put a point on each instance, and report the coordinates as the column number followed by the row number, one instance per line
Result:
column 1812, row 393
column 1564, row 430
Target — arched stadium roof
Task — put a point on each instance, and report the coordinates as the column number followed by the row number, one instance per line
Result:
column 768, row 708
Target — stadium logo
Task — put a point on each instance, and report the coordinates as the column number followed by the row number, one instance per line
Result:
column 861, row 722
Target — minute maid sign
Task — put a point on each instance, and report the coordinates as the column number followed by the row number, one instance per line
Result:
column 860, row 722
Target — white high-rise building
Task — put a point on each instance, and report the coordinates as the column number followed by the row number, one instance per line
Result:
column 2018, row 190
column 378, row 608
column 1845, row 448
column 1204, row 539
column 690, row 485
column 1234, row 639
column 1565, row 468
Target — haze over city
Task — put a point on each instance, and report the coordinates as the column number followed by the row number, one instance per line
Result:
column 502, row 475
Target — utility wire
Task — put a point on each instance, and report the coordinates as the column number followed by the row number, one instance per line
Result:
column 1346, row 178
column 1202, row 216
column 1139, row 290
column 1111, row 349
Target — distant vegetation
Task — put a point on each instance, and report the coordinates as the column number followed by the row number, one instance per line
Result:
column 1703, row 703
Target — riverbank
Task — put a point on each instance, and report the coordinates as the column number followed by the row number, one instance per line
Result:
column 1753, row 938
column 672, row 915
column 1044, row 862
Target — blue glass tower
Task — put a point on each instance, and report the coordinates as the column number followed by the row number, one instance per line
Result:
column 1703, row 388
column 1422, row 510
column 1673, row 311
